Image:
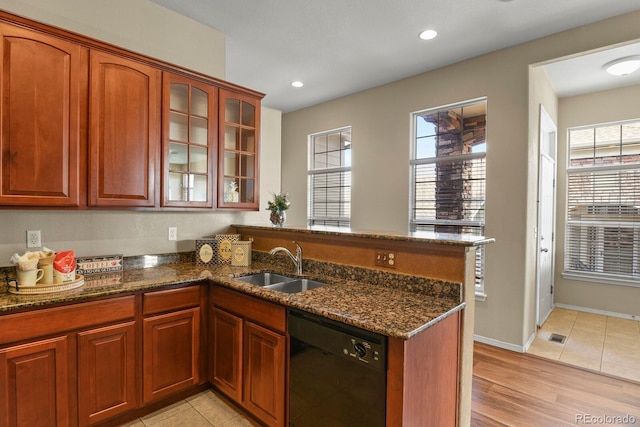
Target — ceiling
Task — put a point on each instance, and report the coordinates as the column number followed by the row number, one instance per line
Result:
column 585, row 73
column 339, row 47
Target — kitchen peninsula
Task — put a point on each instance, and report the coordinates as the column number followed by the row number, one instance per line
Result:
column 423, row 305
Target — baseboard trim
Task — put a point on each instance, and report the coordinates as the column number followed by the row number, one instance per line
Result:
column 596, row 311
column 530, row 341
column 498, row 343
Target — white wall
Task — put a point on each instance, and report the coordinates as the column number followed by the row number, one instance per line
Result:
column 146, row 28
column 380, row 120
column 140, row 26
column 594, row 108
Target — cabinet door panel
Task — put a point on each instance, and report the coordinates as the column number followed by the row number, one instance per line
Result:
column 34, row 384
column 43, row 84
column 189, row 142
column 171, row 353
column 264, row 364
column 238, row 152
column 124, row 132
column 106, row 372
column 226, row 360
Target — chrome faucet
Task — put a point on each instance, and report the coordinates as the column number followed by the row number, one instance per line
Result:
column 297, row 260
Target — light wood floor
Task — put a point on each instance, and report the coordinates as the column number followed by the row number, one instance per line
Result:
column 509, row 389
column 514, row 389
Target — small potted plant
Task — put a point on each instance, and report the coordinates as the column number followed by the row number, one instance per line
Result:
column 277, row 206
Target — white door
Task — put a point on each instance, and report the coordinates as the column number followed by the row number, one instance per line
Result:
column 546, row 217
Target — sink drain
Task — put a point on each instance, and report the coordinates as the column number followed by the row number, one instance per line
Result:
column 557, row 338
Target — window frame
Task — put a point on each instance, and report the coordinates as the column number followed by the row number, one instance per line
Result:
column 341, row 221
column 595, row 229
column 414, row 162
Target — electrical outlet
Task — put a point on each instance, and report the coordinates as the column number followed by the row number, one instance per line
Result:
column 33, row 239
column 173, row 233
column 385, row 259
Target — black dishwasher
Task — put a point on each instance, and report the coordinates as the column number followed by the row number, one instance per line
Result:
column 337, row 373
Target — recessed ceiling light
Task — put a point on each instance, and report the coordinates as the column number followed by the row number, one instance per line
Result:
column 297, row 83
column 623, row 66
column 428, row 34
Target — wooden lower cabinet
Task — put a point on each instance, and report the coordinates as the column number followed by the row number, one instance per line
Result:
column 422, row 376
column 106, row 372
column 226, row 337
column 101, row 361
column 171, row 343
column 248, row 353
column 264, row 366
column 34, row 388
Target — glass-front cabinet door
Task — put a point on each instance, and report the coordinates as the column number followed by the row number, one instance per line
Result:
column 238, row 151
column 189, row 142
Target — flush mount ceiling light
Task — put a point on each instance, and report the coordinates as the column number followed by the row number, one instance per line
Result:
column 428, row 34
column 623, row 66
column 297, row 83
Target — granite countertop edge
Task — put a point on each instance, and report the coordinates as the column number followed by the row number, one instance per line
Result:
column 449, row 239
column 396, row 313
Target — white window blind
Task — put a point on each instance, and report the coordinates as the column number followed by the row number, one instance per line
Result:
column 329, row 187
column 603, row 204
column 448, row 168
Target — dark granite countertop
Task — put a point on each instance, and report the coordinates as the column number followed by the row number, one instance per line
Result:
column 400, row 309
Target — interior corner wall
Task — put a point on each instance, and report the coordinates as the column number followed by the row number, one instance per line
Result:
column 594, row 108
column 380, row 120
column 541, row 95
column 143, row 27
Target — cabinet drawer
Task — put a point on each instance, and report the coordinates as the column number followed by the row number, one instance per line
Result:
column 171, row 299
column 268, row 314
column 47, row 321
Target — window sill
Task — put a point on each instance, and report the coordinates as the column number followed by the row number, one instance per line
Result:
column 602, row 279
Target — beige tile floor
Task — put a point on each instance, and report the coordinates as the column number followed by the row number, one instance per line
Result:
column 205, row 409
column 601, row 343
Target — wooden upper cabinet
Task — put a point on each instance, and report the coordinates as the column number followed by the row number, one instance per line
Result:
column 43, row 80
column 239, row 116
column 189, row 142
column 124, row 131
column 85, row 124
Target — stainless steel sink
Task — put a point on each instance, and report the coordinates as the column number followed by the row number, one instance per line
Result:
column 265, row 279
column 279, row 282
column 298, row 285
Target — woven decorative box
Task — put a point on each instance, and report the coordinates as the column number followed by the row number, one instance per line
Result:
column 206, row 251
column 241, row 254
column 224, row 247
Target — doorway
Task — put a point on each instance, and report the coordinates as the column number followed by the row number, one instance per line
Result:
column 546, row 216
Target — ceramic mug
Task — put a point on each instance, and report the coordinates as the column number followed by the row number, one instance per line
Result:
column 47, row 278
column 46, row 263
column 29, row 277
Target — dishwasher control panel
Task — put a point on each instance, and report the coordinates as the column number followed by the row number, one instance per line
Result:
column 364, row 351
column 346, row 341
